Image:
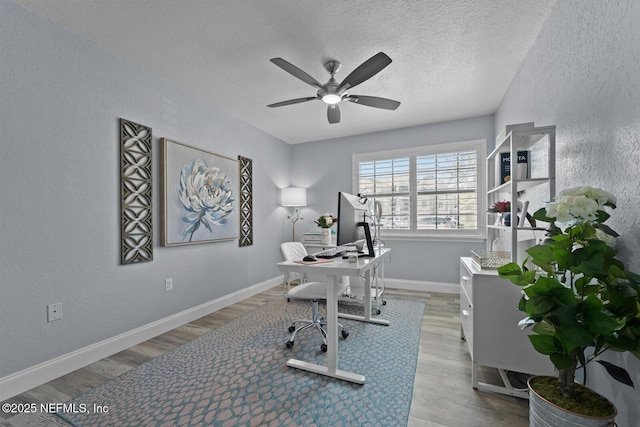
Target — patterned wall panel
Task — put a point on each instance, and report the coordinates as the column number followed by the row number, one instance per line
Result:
column 135, row 192
column 246, row 201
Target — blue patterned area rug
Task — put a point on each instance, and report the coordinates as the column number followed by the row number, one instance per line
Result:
column 236, row 376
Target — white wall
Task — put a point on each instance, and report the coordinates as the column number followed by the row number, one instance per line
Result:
column 582, row 76
column 324, row 167
column 61, row 98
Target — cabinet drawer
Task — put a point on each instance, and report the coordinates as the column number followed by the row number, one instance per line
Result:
column 466, row 279
column 466, row 319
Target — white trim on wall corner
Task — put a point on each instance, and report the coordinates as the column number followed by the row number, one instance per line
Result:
column 24, row 380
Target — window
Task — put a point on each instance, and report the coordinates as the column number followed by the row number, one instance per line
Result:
column 432, row 190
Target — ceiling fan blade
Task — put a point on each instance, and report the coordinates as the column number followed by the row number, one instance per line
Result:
column 366, row 70
column 374, row 101
column 293, row 101
column 296, row 72
column 333, row 114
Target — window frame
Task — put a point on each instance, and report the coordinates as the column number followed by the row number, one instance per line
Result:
column 479, row 145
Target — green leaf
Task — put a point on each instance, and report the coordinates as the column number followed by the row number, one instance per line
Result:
column 541, row 254
column 564, row 295
column 574, row 338
column 541, row 214
column 512, row 272
column 602, row 216
column 592, row 302
column 544, row 328
column 563, row 257
column 567, row 316
column 543, row 344
column 544, row 286
column 539, row 305
column 599, row 323
column 522, row 304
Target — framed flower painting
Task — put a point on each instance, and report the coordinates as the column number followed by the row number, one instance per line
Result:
column 201, row 195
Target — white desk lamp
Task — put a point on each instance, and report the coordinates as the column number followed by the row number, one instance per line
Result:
column 293, row 198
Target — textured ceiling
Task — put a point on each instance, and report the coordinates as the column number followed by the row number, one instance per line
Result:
column 451, row 58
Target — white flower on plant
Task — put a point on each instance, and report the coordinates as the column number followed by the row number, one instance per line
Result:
column 207, row 195
column 579, row 204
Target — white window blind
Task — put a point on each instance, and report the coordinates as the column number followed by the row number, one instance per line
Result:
column 427, row 190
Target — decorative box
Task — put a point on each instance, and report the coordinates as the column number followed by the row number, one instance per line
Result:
column 490, row 260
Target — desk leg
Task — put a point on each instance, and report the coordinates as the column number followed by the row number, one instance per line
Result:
column 367, row 305
column 331, row 369
column 332, row 324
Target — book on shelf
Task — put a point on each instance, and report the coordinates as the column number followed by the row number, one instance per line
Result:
column 505, row 166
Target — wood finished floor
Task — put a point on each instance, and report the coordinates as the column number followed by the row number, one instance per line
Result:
column 442, row 393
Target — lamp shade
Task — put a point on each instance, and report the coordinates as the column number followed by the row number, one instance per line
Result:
column 292, row 196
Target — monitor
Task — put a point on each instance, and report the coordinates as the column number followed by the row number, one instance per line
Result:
column 354, row 221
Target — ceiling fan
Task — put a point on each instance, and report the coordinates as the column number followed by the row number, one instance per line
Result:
column 333, row 93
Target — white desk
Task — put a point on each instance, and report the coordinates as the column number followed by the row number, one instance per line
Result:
column 333, row 271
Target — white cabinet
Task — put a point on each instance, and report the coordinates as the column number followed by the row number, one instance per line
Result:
column 539, row 144
column 489, row 323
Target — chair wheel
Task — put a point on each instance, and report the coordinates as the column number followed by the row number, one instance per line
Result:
column 292, row 328
column 345, row 334
column 289, row 344
column 384, row 302
column 378, row 311
column 323, row 347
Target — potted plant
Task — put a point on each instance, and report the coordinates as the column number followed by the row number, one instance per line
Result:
column 325, row 222
column 579, row 298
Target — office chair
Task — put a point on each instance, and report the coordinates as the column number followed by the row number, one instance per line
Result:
column 313, row 291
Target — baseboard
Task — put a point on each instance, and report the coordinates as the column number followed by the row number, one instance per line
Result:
column 419, row 285
column 34, row 376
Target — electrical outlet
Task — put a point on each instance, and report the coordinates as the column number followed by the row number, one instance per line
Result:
column 54, row 312
column 168, row 284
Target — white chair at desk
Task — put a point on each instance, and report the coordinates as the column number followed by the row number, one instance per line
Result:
column 313, row 291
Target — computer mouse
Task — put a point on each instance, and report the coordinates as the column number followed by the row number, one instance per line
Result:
column 309, row 258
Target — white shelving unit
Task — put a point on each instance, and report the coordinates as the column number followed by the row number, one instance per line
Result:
column 488, row 304
column 541, row 173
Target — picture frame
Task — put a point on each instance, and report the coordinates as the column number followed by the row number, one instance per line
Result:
column 200, row 191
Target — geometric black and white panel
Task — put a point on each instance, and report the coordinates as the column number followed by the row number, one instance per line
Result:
column 246, row 201
column 135, row 193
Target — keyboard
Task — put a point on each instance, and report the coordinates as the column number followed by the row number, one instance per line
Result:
column 331, row 253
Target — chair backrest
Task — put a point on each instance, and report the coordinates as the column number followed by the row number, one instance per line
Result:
column 292, row 251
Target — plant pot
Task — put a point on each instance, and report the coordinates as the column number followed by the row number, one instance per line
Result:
column 543, row 413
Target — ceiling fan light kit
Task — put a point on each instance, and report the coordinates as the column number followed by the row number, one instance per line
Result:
column 333, row 93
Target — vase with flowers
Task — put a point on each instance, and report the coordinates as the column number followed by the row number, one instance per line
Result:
column 502, row 208
column 325, row 222
column 580, row 301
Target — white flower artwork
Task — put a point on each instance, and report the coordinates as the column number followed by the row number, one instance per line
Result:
column 200, row 195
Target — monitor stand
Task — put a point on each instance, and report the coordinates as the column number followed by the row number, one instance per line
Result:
column 367, row 234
